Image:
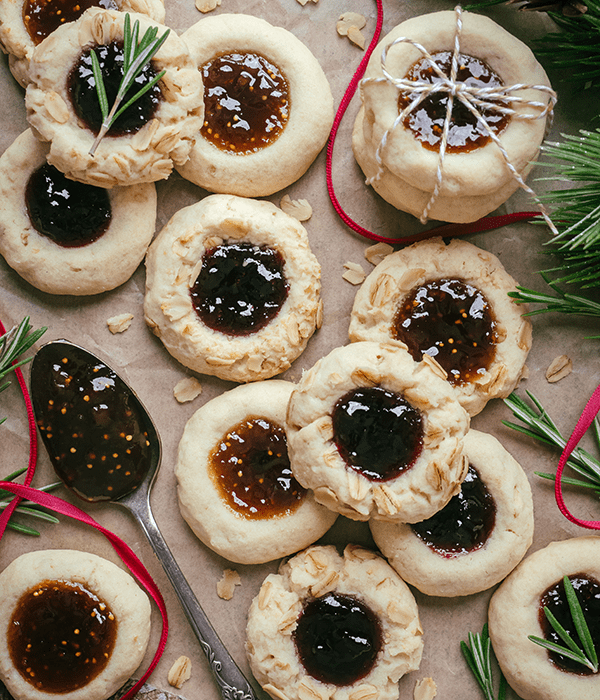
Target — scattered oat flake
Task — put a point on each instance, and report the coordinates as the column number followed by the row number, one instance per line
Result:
column 425, row 689
column 207, row 5
column 180, row 672
column 187, row 389
column 356, row 37
column 376, row 253
column 559, row 368
column 298, row 208
column 120, row 323
column 354, row 273
column 226, row 586
column 349, row 19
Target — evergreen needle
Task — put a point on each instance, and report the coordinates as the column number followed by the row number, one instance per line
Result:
column 477, row 654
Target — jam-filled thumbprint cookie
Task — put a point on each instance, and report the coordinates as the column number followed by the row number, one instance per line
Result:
column 375, row 434
column 518, row 611
column 336, row 627
column 74, row 626
column 26, row 23
column 477, row 538
column 66, row 237
column 63, row 107
column 235, row 484
column 232, row 288
column 449, row 306
column 268, row 106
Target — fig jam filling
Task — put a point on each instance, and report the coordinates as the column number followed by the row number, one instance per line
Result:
column 452, row 321
column 70, row 213
column 42, row 17
column 337, row 639
column 91, row 424
column 587, row 589
column 464, row 524
column 61, row 636
column 377, row 432
column 251, row 466
column 81, row 86
column 426, row 121
column 246, row 101
column 240, row 288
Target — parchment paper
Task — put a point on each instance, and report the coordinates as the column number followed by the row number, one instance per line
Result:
column 141, row 359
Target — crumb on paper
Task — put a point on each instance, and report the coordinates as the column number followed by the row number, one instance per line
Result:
column 350, row 24
column 356, row 37
column 119, row 323
column 303, row 2
column 425, row 689
column 180, row 672
column 300, row 209
column 226, row 586
column 207, row 5
column 559, row 368
column 354, row 273
column 524, row 372
column 376, row 253
column 187, row 389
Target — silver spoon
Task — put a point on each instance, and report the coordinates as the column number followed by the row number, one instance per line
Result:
column 82, row 408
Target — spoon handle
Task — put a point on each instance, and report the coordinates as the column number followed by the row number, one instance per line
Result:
column 231, row 680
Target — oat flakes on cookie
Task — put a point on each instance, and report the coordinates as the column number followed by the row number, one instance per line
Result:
column 477, row 538
column 234, row 481
column 66, row 237
column 448, row 305
column 268, row 106
column 319, row 597
column 400, row 157
column 26, row 23
column 74, row 625
column 375, row 434
column 516, row 612
column 155, row 132
column 232, row 288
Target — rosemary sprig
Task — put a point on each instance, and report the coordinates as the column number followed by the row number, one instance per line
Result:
column 477, row 654
column 586, row 656
column 136, row 54
column 26, row 507
column 14, row 343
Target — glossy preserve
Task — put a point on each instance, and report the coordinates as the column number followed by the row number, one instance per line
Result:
column 377, row 432
column 92, row 425
column 81, row 86
column 70, row 213
column 587, row 589
column 426, row 121
column 42, row 17
column 452, row 321
column 251, row 466
column 246, row 102
column 465, row 523
column 240, row 288
column 337, row 638
column 61, row 636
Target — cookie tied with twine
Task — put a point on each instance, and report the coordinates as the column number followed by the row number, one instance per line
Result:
column 451, row 184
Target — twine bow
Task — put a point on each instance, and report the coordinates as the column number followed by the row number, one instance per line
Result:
column 500, row 99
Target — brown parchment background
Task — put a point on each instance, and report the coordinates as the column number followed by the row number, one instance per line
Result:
column 141, row 359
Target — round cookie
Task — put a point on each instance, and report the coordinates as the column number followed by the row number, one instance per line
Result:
column 265, row 516
column 183, row 251
column 65, row 577
column 481, row 555
column 514, row 614
column 98, row 266
column 143, row 155
column 19, row 42
column 507, row 332
column 302, row 112
column 407, row 461
column 317, row 579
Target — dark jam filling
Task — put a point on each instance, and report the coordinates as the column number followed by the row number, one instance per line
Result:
column 81, row 86
column 426, row 121
column 93, row 427
column 240, row 288
column 252, row 468
column 42, row 17
column 337, row 639
column 61, row 636
column 587, row 589
column 377, row 432
column 70, row 213
column 452, row 321
column 246, row 102
column 464, row 524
